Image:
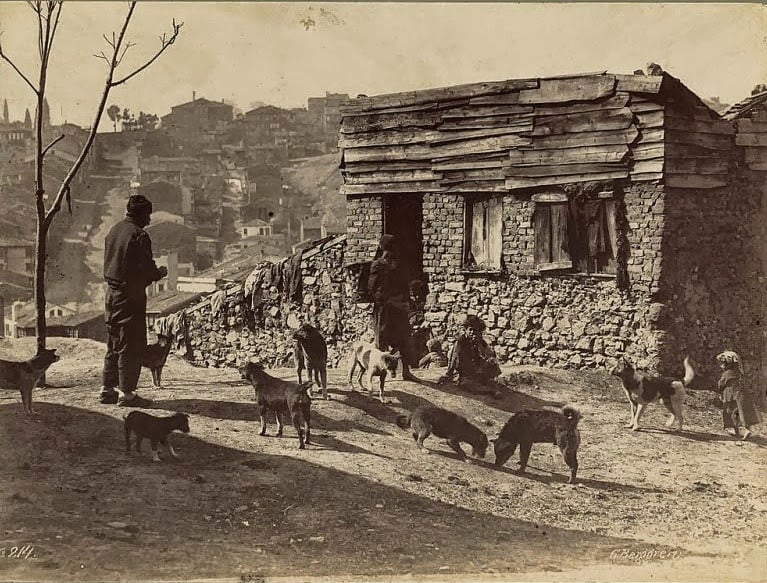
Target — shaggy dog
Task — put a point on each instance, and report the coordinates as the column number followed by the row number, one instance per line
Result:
column 374, row 362
column 540, row 426
column 281, row 397
column 310, row 352
column 443, row 423
column 24, row 376
column 155, row 357
column 155, row 429
column 642, row 389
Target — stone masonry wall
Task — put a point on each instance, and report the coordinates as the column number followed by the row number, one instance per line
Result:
column 558, row 320
column 712, row 284
column 364, row 227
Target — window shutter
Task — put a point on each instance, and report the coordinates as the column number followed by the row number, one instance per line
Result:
column 612, row 226
column 542, row 217
column 495, row 232
column 478, row 233
column 560, row 248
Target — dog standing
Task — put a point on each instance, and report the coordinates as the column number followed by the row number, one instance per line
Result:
column 155, row 429
column 372, row 362
column 24, row 376
column 310, row 352
column 540, row 426
column 281, row 397
column 155, row 357
column 642, row 389
column 455, row 428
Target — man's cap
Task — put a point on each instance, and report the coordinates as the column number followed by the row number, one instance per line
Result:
column 138, row 204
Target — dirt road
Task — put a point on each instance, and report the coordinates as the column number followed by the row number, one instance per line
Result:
column 363, row 501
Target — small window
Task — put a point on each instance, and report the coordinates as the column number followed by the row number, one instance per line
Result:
column 578, row 233
column 483, row 233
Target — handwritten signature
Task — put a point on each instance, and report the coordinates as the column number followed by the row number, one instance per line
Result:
column 23, row 552
column 645, row 555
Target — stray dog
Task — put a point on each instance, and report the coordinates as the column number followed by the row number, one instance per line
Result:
column 280, row 396
column 455, row 428
column 311, row 353
column 540, row 426
column 25, row 375
column 155, row 357
column 155, row 429
column 642, row 389
column 374, row 362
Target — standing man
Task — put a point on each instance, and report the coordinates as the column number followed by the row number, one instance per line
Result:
column 128, row 269
column 388, row 287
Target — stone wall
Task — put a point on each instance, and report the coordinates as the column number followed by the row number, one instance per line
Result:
column 236, row 333
column 364, row 227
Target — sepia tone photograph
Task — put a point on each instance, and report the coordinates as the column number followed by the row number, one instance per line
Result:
column 383, row 291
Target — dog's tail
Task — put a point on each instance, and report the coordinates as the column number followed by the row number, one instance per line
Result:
column 689, row 373
column 403, row 421
column 571, row 415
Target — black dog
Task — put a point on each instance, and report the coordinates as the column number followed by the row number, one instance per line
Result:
column 281, row 397
column 455, row 428
column 156, row 429
column 155, row 356
column 642, row 389
column 540, row 426
column 311, row 353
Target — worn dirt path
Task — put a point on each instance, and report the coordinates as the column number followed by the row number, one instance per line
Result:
column 363, row 501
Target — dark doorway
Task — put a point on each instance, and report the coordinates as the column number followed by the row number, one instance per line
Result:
column 403, row 218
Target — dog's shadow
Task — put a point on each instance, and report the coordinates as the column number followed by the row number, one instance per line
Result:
column 497, row 396
column 549, row 478
column 329, row 442
column 702, row 436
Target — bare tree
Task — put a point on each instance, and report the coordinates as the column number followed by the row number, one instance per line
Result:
column 48, row 13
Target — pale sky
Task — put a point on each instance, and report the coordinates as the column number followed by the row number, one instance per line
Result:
column 247, row 52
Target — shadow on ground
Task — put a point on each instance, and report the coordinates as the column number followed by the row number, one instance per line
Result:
column 91, row 511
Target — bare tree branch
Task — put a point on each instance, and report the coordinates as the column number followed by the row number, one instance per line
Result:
column 15, row 68
column 164, row 44
column 49, row 146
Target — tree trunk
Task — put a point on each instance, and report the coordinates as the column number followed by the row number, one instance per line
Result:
column 40, row 260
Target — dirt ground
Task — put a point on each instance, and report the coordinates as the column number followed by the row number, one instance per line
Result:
column 363, row 502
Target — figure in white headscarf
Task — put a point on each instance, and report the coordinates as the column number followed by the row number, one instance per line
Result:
column 738, row 407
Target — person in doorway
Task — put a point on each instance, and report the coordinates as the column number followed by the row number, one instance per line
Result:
column 388, row 287
column 128, row 269
column 738, row 408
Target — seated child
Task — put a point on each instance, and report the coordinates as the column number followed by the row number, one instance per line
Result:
column 435, row 357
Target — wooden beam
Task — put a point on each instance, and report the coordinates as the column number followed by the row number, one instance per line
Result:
column 615, row 102
column 563, row 170
column 362, row 167
column 388, row 187
column 458, row 136
column 483, row 145
column 393, row 176
column 749, row 126
column 518, row 182
column 713, row 141
column 644, row 166
column 487, row 111
column 469, row 90
column 394, row 153
column 571, row 89
column 584, row 139
column 645, row 106
column 650, row 119
column 648, row 151
column 476, row 186
column 697, row 166
column 467, row 165
column 639, row 83
column 751, row 139
column 480, row 123
column 756, row 154
column 646, row 176
column 611, row 119
column 588, row 154
column 387, row 138
column 676, row 122
column 375, row 122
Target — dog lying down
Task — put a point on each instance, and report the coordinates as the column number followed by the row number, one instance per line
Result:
column 155, row 429
column 427, row 420
column 372, row 362
column 540, row 426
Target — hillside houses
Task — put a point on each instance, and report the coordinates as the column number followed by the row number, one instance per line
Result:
column 581, row 216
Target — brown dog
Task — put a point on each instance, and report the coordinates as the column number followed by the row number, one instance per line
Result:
column 642, row 389
column 372, row 362
column 155, row 357
column 24, row 376
column 540, row 426
column 455, row 428
column 281, row 397
column 311, row 353
column 155, row 429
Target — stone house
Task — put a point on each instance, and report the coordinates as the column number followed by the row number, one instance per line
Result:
column 582, row 217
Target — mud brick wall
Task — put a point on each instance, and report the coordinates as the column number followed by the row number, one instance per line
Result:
column 364, row 227
column 553, row 320
column 712, row 284
column 328, row 303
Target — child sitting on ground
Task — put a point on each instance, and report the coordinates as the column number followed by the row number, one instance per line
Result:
column 738, row 408
column 435, row 357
